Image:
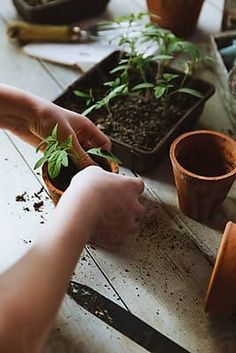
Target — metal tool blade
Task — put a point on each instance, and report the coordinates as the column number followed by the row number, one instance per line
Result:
column 122, row 320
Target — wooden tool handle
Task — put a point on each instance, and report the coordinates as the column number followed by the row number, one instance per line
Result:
column 27, row 32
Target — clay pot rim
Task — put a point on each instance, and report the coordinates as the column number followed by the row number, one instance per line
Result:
column 187, row 172
column 217, row 267
column 114, row 169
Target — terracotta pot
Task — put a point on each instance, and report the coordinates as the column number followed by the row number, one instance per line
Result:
column 204, row 166
column 179, row 16
column 221, row 292
column 56, row 191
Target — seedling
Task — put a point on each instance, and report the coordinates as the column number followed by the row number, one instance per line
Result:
column 165, row 84
column 57, row 153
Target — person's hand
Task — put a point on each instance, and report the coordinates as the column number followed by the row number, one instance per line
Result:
column 33, row 119
column 109, row 201
column 84, row 133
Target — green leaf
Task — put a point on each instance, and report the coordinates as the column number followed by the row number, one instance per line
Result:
column 105, row 154
column 114, row 83
column 68, row 142
column 118, row 90
column 190, row 91
column 40, row 162
column 142, row 86
column 124, row 61
column 163, row 57
column 81, row 94
column 159, row 91
column 64, row 159
column 54, row 132
column 50, row 139
column 40, row 145
column 54, row 164
column 169, row 77
column 87, row 111
column 51, row 147
column 119, row 68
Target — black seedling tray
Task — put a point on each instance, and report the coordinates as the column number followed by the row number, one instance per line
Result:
column 131, row 157
column 60, row 11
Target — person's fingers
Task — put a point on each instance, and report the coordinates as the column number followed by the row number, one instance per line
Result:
column 140, row 185
column 88, row 133
column 140, row 211
column 137, row 184
column 132, row 227
column 82, row 159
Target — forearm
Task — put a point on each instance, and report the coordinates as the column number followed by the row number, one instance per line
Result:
column 15, row 106
column 32, row 290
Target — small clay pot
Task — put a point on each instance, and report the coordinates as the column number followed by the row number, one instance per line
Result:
column 204, row 166
column 57, row 186
column 179, row 16
column 221, row 292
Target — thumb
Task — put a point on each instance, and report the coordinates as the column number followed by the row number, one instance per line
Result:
column 81, row 159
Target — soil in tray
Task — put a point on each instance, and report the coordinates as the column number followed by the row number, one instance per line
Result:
column 137, row 119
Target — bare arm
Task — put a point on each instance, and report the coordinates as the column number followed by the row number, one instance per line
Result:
column 97, row 203
column 33, row 118
column 95, row 200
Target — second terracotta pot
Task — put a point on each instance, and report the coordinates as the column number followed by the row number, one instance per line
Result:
column 204, row 166
column 221, row 292
column 179, row 16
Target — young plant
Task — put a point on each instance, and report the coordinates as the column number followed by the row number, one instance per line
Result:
column 138, row 62
column 57, row 153
column 116, row 88
column 88, row 96
column 169, row 45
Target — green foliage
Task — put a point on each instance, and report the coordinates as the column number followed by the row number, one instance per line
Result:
column 100, row 152
column 88, row 96
column 114, row 92
column 57, row 153
column 190, row 91
column 165, row 84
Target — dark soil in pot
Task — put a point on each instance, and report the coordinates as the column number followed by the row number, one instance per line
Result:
column 64, row 178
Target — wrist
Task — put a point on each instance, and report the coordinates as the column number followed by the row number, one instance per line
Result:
column 81, row 207
column 18, row 108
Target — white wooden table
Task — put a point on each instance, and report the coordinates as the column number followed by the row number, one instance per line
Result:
column 161, row 274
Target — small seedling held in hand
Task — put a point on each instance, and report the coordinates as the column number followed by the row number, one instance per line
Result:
column 57, row 153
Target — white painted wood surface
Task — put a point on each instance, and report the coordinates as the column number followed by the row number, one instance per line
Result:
column 160, row 274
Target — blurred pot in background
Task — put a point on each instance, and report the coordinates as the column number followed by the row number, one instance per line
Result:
column 179, row 16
